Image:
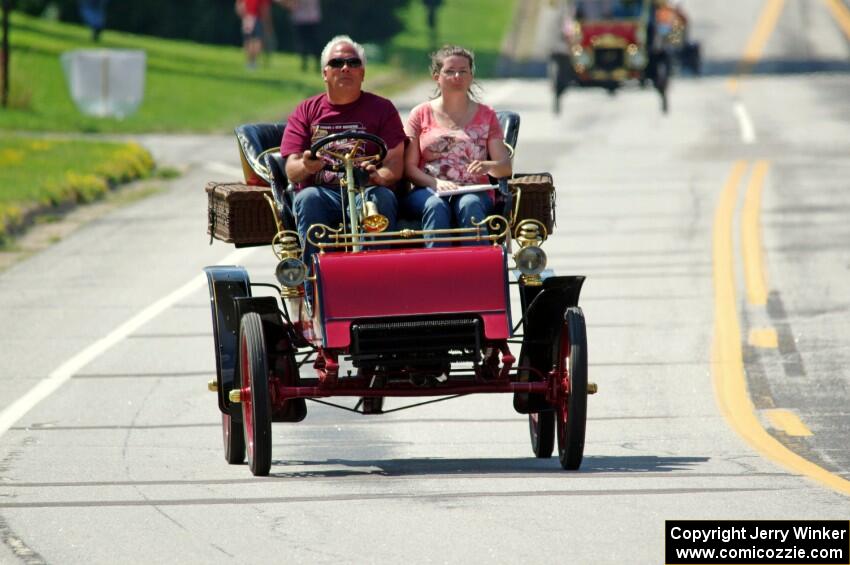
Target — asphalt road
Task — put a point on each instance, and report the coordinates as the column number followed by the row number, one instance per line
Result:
column 111, row 448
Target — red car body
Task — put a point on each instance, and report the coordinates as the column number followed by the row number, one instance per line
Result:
column 411, row 282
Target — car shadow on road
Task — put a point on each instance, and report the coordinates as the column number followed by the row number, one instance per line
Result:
column 530, row 466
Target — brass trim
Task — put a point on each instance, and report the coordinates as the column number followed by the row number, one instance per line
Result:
column 592, row 388
column 530, row 232
column 292, row 292
column 235, row 396
column 608, row 41
column 340, row 239
column 287, row 244
column 531, row 280
column 273, row 206
column 212, row 386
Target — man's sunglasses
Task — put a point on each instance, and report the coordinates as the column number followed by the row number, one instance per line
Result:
column 352, row 62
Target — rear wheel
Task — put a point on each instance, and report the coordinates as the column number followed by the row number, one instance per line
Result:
column 256, row 403
column 571, row 365
column 541, row 426
column 234, row 440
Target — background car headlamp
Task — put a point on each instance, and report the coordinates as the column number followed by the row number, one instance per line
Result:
column 531, row 260
column 290, row 272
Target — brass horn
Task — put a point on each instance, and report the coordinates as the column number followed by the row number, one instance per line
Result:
column 373, row 220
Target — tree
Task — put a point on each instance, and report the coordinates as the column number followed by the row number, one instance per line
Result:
column 4, row 54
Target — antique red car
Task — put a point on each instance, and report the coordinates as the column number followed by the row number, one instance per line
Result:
column 608, row 44
column 374, row 328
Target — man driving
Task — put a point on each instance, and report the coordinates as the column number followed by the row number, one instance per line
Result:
column 343, row 107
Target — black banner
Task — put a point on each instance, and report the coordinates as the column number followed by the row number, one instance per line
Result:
column 757, row 542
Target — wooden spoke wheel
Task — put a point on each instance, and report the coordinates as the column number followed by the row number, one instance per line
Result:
column 256, row 402
column 571, row 366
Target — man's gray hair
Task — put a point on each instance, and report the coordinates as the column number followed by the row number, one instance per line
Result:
column 326, row 52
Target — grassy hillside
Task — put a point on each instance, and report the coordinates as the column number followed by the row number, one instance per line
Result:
column 188, row 86
column 480, row 25
column 194, row 87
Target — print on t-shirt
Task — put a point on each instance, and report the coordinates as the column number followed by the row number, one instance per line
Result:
column 448, row 154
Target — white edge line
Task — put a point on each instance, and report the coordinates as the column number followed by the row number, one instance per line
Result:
column 59, row 376
column 745, row 124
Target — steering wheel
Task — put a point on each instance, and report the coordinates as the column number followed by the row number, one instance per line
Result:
column 338, row 158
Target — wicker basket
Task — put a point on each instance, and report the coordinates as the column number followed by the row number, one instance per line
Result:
column 536, row 195
column 240, row 214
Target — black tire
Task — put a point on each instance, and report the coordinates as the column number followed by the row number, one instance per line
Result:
column 256, row 408
column 234, row 440
column 541, row 427
column 571, row 418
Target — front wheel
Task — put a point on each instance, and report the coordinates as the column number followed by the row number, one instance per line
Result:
column 571, row 365
column 256, row 402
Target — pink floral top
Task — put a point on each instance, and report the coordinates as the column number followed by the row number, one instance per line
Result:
column 444, row 153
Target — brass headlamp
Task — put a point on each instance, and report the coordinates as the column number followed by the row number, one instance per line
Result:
column 530, row 259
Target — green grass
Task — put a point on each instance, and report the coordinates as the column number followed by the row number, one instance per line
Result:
column 194, row 87
column 36, row 172
column 479, row 25
column 188, row 86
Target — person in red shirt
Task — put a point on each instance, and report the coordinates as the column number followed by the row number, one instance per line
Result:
column 250, row 11
column 344, row 106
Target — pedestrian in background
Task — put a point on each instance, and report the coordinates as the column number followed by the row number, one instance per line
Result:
column 93, row 14
column 431, row 19
column 269, row 36
column 249, row 12
column 306, row 16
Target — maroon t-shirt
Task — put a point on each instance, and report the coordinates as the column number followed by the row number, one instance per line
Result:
column 316, row 117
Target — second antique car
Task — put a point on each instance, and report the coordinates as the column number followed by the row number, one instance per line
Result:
column 373, row 327
column 609, row 44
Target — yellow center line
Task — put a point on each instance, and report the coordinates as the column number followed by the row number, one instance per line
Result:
column 758, row 39
column 727, row 364
column 841, row 14
column 788, row 422
column 751, row 245
column 766, row 338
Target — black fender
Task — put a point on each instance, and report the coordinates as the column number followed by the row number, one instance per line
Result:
column 543, row 312
column 226, row 284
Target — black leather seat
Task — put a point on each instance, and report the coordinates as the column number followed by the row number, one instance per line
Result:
column 510, row 128
column 262, row 164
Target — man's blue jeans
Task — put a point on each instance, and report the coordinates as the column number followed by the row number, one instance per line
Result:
column 439, row 212
column 324, row 205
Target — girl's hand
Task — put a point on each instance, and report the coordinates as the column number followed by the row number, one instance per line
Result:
column 479, row 167
column 444, row 185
